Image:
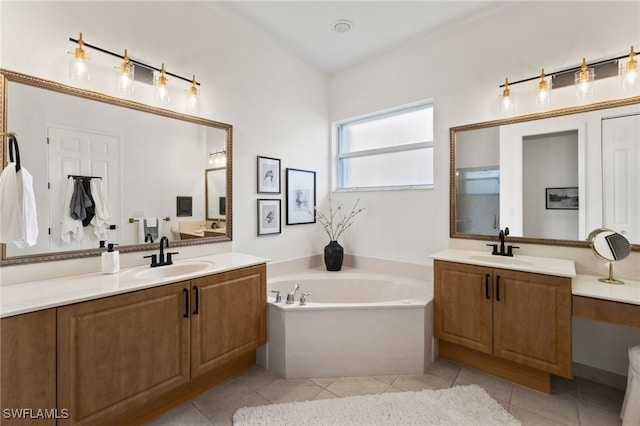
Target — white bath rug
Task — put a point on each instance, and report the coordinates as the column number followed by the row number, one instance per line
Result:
column 456, row 406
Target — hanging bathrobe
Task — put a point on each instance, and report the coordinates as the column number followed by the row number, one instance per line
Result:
column 102, row 215
column 19, row 220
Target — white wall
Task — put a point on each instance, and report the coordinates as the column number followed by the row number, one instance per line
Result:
column 277, row 104
column 461, row 69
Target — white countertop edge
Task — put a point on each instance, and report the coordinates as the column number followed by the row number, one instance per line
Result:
column 589, row 286
column 21, row 298
column 539, row 265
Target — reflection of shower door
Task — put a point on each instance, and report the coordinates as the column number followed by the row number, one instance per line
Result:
column 79, row 152
column 620, row 175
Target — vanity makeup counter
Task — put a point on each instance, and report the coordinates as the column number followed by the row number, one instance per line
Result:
column 589, row 286
column 38, row 295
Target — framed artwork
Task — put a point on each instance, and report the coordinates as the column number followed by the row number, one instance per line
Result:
column 269, row 216
column 562, row 198
column 268, row 175
column 184, row 206
column 301, row 196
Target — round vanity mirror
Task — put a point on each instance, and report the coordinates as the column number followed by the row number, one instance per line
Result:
column 610, row 246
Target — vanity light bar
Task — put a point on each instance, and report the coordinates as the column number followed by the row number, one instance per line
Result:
column 133, row 61
column 603, row 69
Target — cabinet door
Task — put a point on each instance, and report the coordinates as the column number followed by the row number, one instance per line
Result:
column 229, row 317
column 532, row 320
column 463, row 305
column 118, row 352
column 28, row 365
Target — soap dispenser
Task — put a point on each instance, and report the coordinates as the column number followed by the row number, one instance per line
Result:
column 110, row 260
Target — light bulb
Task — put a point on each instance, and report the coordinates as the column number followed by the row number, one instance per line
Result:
column 544, row 93
column 584, row 80
column 192, row 97
column 162, row 91
column 78, row 68
column 506, row 99
column 125, row 75
column 630, row 73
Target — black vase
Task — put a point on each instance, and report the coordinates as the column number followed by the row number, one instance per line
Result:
column 333, row 255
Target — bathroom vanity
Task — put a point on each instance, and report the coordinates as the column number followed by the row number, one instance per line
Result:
column 133, row 344
column 508, row 316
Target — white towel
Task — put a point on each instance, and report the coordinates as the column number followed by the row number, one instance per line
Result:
column 144, row 223
column 70, row 227
column 19, row 219
column 100, row 221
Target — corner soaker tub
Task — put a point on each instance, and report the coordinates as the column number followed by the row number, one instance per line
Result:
column 355, row 323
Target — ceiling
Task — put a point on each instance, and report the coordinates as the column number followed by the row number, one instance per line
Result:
column 304, row 27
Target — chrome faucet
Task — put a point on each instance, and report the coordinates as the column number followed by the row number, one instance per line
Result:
column 292, row 294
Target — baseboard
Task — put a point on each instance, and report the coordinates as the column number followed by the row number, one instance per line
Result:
column 597, row 375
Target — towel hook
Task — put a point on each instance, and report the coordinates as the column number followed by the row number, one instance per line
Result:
column 13, row 146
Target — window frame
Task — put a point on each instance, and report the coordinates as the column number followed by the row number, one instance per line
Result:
column 337, row 155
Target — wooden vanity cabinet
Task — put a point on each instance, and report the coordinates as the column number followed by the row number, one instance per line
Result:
column 28, row 369
column 229, row 317
column 117, row 352
column 506, row 319
column 127, row 358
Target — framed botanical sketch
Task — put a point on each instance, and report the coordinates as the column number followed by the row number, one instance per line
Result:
column 268, row 175
column 301, row 196
column 269, row 216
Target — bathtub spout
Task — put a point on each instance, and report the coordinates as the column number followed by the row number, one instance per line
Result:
column 292, row 294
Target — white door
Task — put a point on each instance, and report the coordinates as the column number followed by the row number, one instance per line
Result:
column 81, row 152
column 620, row 165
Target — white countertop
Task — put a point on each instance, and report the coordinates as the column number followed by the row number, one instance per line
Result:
column 37, row 295
column 538, row 265
column 589, row 286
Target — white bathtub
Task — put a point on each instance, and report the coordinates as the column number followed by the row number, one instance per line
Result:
column 355, row 323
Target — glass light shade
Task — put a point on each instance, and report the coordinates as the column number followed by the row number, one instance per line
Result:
column 125, row 77
column 192, row 97
column 631, row 74
column 161, row 90
column 192, row 103
column 543, row 96
column 584, row 81
column 507, row 103
column 79, row 69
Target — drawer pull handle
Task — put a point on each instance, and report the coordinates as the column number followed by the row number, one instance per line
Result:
column 197, row 301
column 498, row 288
column 186, row 303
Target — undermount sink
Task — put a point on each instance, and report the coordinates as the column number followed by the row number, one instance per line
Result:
column 500, row 259
column 175, row 270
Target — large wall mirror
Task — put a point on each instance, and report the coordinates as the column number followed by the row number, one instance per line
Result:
column 151, row 163
column 551, row 177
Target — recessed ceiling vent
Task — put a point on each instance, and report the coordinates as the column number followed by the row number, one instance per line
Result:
column 342, row 26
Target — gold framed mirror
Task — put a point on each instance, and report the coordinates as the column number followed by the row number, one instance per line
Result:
column 491, row 171
column 160, row 155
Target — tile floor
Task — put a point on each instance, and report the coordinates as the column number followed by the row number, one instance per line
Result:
column 575, row 402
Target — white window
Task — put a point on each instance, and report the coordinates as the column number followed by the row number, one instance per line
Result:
column 386, row 150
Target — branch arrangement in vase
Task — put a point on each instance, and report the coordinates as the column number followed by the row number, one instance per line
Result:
column 335, row 223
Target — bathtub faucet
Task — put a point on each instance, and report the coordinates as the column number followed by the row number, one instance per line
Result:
column 292, row 294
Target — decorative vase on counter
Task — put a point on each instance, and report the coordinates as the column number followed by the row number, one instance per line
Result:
column 333, row 255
